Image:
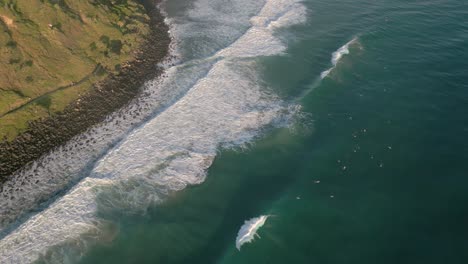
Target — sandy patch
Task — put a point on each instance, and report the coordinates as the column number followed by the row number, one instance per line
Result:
column 8, row 21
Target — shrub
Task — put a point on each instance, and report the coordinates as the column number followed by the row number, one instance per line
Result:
column 115, row 46
column 11, row 44
column 104, row 39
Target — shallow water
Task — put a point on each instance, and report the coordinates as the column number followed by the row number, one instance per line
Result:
column 344, row 121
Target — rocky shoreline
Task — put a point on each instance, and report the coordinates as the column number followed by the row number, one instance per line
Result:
column 107, row 96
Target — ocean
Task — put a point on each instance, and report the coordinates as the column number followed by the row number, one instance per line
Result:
column 344, row 122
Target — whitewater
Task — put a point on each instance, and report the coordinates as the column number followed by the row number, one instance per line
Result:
column 338, row 55
column 249, row 230
column 211, row 98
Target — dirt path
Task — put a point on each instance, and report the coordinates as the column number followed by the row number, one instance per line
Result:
column 61, row 88
column 114, row 92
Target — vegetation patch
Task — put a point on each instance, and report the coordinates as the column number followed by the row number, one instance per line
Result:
column 46, row 45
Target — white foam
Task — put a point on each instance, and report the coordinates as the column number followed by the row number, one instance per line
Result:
column 337, row 56
column 211, row 25
column 199, row 106
column 73, row 161
column 248, row 231
column 260, row 40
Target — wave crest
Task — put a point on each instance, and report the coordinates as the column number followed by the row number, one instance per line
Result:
column 338, row 55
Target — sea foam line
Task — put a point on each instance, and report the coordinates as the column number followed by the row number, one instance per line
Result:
column 225, row 106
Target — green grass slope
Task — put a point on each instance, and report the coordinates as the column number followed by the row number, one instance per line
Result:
column 46, row 45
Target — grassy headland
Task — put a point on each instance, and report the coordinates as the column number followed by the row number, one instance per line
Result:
column 66, row 65
column 48, row 46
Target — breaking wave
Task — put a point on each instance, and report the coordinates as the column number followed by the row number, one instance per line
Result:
column 337, row 56
column 249, row 230
column 212, row 99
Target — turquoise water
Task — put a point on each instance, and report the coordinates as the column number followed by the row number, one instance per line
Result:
column 342, row 121
column 374, row 170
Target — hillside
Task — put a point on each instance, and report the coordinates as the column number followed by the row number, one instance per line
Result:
column 54, row 50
